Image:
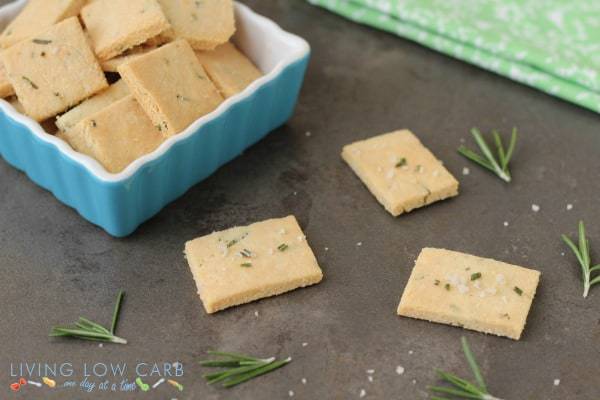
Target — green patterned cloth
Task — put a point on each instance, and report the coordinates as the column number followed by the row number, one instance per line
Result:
column 552, row 45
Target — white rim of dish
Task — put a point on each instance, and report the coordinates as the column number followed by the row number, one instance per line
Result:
column 96, row 169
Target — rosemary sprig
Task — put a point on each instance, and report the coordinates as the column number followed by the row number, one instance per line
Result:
column 462, row 388
column 239, row 368
column 488, row 160
column 582, row 252
column 88, row 330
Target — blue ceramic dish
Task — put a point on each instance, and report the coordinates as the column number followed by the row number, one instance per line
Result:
column 119, row 203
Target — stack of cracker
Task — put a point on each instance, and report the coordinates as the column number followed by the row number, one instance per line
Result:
column 170, row 61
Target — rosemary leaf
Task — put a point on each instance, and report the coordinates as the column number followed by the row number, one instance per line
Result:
column 497, row 164
column 238, row 368
column 86, row 329
column 582, row 253
column 113, row 325
column 473, row 364
column 461, row 388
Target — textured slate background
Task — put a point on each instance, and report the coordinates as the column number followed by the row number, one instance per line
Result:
column 361, row 82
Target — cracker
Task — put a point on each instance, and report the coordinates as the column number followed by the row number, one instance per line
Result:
column 115, row 26
column 37, row 16
column 171, row 86
column 471, row 292
column 400, row 172
column 243, row 264
column 54, row 70
column 229, row 69
column 204, row 24
column 6, row 89
column 116, row 136
column 92, row 105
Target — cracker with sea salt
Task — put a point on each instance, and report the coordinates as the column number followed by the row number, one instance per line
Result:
column 116, row 136
column 229, row 69
column 204, row 24
column 115, row 26
column 243, row 264
column 400, row 172
column 171, row 86
column 54, row 70
column 475, row 293
column 92, row 105
column 36, row 16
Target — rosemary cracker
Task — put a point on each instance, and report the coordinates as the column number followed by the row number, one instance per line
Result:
column 116, row 26
column 171, row 86
column 243, row 264
column 400, row 172
column 471, row 292
column 204, row 24
column 229, row 69
column 115, row 136
column 54, row 71
column 36, row 16
column 92, row 105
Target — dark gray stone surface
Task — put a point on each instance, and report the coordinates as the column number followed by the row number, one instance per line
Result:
column 361, row 82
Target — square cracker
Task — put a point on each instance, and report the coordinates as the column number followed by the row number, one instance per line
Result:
column 116, row 136
column 54, row 70
column 37, row 16
column 471, row 292
column 229, row 69
column 243, row 264
column 115, row 26
column 400, row 172
column 204, row 24
column 92, row 105
column 171, row 86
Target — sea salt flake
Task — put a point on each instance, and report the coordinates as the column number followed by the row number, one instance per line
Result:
column 400, row 370
column 362, row 393
column 303, row 380
column 569, row 207
column 291, row 393
column 556, row 382
column 466, row 171
column 535, row 207
column 370, row 371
